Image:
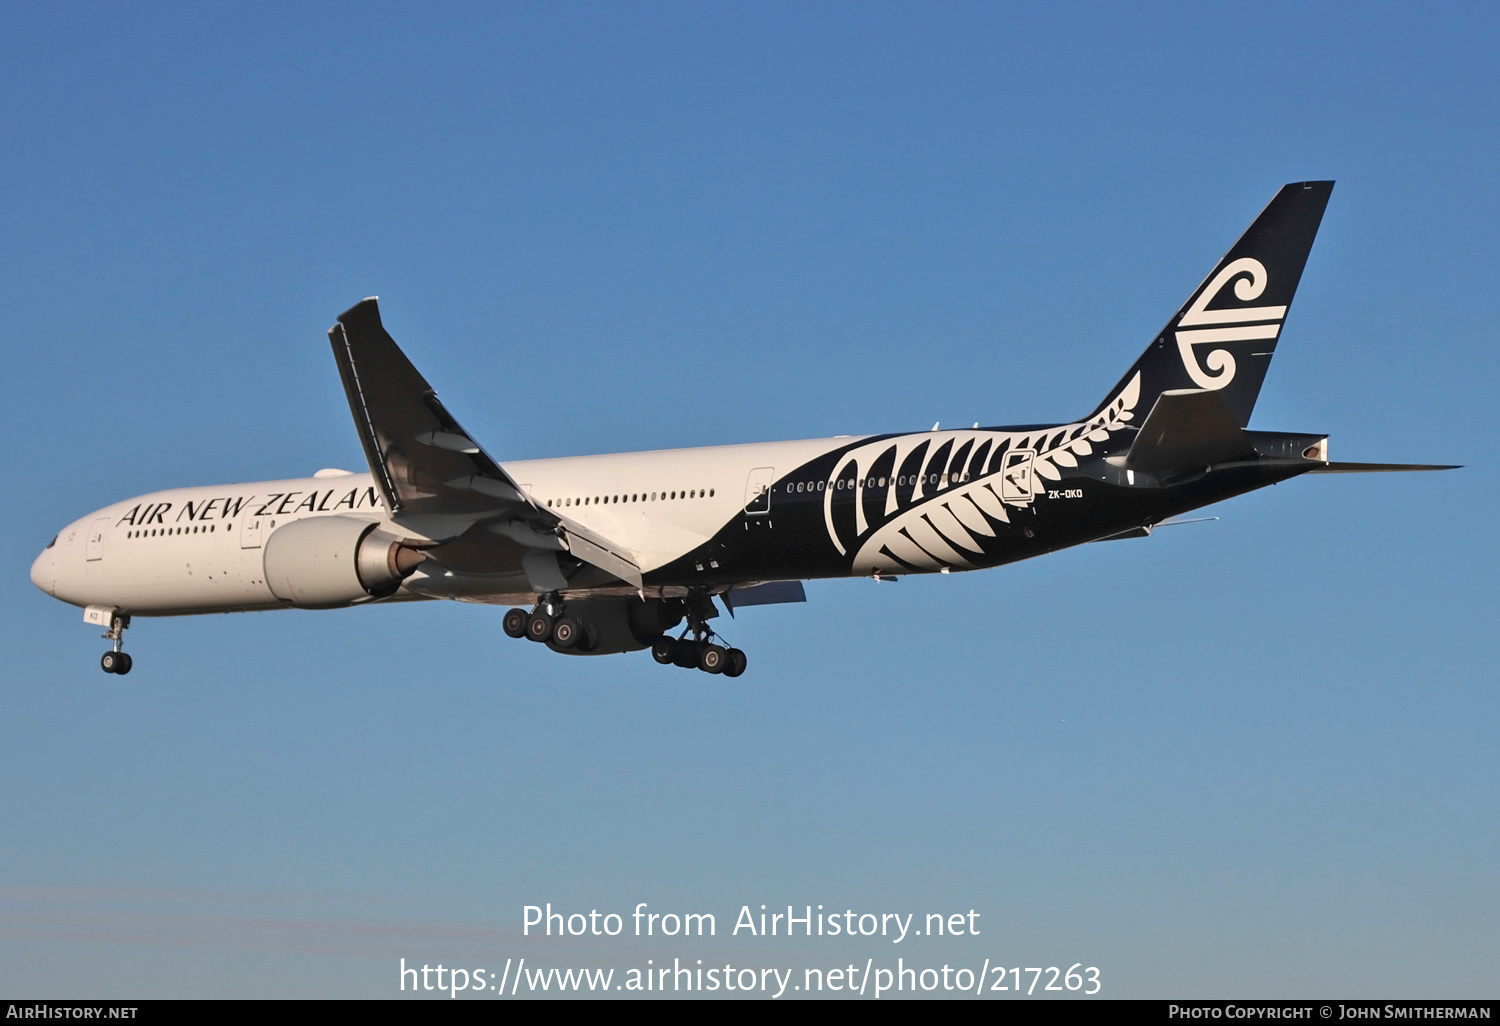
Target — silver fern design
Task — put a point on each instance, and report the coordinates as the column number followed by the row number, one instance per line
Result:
column 924, row 503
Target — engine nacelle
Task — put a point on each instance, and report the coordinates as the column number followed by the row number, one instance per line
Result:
column 326, row 562
column 624, row 624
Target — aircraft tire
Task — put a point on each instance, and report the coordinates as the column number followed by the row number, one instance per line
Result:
column 712, row 659
column 687, row 654
column 125, row 663
column 664, row 650
column 114, row 662
column 566, row 632
column 514, row 623
column 539, row 627
column 734, row 662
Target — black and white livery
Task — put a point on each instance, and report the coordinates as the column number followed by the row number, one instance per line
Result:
column 617, row 553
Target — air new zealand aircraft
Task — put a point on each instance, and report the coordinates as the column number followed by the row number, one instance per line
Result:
column 606, row 554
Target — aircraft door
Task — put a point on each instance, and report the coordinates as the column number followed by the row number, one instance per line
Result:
column 1017, row 482
column 250, row 533
column 758, row 491
column 95, row 542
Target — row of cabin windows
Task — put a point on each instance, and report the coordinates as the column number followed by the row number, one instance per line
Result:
column 873, row 482
column 161, row 531
column 599, row 500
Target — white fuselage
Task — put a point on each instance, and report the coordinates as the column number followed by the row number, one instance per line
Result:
column 199, row 550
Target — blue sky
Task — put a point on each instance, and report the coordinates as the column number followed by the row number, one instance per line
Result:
column 1249, row 757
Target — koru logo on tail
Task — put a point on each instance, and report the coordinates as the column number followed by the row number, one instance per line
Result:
column 1231, row 325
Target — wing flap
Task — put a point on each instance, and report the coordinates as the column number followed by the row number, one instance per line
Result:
column 592, row 547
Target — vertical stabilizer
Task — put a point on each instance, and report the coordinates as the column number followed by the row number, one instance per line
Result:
column 1224, row 336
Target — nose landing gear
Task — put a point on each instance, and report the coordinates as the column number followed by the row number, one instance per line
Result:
column 116, row 660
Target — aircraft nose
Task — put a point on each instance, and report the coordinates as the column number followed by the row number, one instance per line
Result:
column 43, row 574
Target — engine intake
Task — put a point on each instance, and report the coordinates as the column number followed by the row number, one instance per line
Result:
column 327, row 562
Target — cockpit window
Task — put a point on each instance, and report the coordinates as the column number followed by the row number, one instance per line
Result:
column 52, row 542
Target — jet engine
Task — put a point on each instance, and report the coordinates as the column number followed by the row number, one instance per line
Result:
column 326, row 562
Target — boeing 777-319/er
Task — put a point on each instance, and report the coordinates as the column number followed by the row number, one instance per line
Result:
column 605, row 554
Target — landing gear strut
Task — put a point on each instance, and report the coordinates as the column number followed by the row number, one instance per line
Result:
column 116, row 660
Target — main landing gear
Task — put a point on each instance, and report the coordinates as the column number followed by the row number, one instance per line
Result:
column 625, row 625
column 549, row 623
column 116, row 660
column 698, row 652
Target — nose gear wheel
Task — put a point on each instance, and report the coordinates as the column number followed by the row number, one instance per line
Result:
column 117, row 660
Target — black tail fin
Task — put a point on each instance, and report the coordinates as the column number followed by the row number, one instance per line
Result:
column 1223, row 337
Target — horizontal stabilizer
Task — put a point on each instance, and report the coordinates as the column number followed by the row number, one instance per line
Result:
column 1379, row 468
column 1186, row 429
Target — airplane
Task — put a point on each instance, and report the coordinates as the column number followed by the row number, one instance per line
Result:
column 607, row 554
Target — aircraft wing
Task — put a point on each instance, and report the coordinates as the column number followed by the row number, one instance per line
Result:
column 426, row 465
